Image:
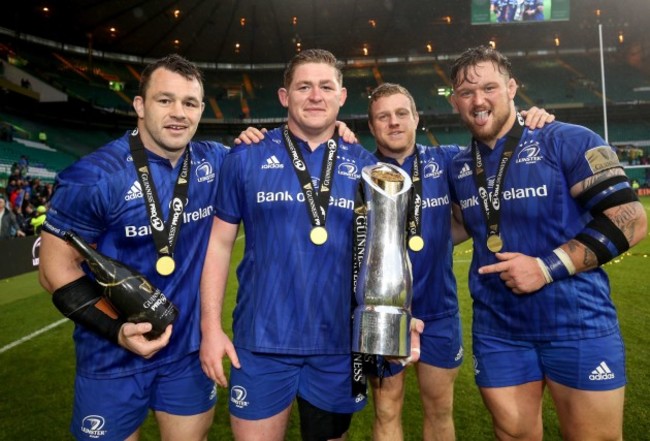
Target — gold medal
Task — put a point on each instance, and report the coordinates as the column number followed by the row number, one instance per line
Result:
column 494, row 243
column 416, row 243
column 165, row 265
column 318, row 235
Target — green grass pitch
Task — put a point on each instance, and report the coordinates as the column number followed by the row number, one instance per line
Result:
column 36, row 375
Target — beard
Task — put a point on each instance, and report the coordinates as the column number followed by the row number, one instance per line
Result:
column 489, row 132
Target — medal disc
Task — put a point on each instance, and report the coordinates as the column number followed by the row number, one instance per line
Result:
column 416, row 243
column 494, row 243
column 318, row 235
column 165, row 265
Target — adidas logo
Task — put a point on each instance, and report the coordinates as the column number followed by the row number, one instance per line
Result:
column 134, row 192
column 602, row 372
column 459, row 355
column 465, row 171
column 272, row 162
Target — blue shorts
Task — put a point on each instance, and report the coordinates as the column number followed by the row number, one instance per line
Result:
column 112, row 409
column 441, row 345
column 587, row 364
column 266, row 384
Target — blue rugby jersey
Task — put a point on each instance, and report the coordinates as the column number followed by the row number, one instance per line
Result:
column 100, row 198
column 533, row 4
column 294, row 297
column 538, row 214
column 434, row 284
column 506, row 11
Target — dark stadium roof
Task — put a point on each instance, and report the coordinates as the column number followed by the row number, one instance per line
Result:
column 268, row 31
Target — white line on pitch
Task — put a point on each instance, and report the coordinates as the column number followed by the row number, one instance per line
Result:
column 32, row 335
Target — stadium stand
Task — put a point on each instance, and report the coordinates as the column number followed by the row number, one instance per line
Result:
column 423, row 81
column 622, row 78
column 567, row 84
column 359, row 82
column 263, row 94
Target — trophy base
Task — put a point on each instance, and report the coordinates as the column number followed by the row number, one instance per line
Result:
column 382, row 330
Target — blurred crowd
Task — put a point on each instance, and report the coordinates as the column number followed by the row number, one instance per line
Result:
column 23, row 202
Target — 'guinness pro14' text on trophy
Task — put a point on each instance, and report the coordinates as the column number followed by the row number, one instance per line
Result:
column 385, row 287
column 132, row 295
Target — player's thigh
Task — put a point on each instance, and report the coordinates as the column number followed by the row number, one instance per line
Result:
column 516, row 410
column 588, row 414
column 436, row 385
column 587, row 380
column 272, row 428
column 184, row 427
column 388, row 393
column 509, row 375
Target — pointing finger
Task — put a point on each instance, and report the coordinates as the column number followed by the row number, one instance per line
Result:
column 493, row 268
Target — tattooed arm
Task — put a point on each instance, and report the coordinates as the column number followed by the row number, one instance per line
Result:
column 629, row 217
column 526, row 274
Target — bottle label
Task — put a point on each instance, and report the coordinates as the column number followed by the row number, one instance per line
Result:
column 157, row 299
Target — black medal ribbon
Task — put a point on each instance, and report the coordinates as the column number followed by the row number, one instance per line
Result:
column 491, row 202
column 165, row 234
column 414, row 224
column 317, row 202
column 362, row 364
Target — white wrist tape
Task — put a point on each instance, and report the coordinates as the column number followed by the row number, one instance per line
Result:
column 545, row 271
column 566, row 260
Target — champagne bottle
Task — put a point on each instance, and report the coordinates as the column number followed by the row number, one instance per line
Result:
column 129, row 291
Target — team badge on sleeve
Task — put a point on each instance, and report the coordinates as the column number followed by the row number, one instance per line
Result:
column 601, row 158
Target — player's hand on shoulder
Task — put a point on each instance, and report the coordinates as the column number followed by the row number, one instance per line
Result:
column 346, row 133
column 537, row 118
column 251, row 135
column 132, row 337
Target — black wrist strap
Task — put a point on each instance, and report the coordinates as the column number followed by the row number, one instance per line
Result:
column 77, row 300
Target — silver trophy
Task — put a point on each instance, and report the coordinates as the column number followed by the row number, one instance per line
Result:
column 384, row 287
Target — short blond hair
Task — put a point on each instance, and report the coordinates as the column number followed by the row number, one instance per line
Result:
column 312, row 56
column 389, row 89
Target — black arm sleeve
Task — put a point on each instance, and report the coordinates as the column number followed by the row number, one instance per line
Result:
column 77, row 300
